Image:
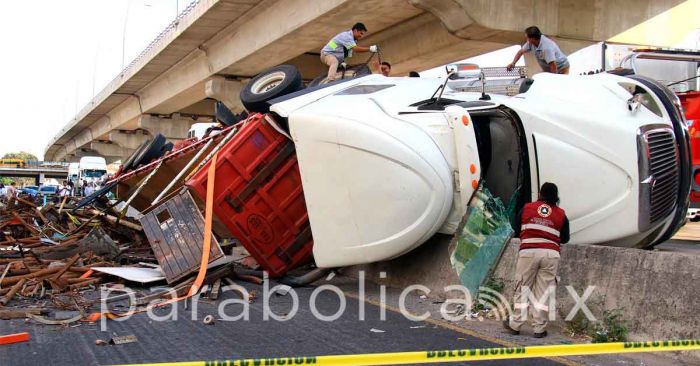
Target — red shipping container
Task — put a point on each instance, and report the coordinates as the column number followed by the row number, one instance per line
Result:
column 258, row 196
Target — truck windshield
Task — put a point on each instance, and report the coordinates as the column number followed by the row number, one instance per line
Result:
column 90, row 173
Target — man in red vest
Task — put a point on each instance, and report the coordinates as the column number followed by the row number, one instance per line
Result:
column 542, row 227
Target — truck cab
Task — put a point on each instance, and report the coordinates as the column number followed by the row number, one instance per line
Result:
column 199, row 130
column 73, row 173
column 679, row 70
column 91, row 169
column 388, row 162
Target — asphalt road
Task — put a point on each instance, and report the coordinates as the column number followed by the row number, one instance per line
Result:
column 189, row 340
column 186, row 339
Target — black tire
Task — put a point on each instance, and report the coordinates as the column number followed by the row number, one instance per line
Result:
column 318, row 81
column 128, row 164
column 349, row 73
column 151, row 152
column 224, row 115
column 168, row 147
column 273, row 83
column 362, row 70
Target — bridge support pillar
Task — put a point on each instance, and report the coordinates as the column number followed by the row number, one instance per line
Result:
column 40, row 179
column 110, row 150
column 128, row 139
column 226, row 91
column 174, row 128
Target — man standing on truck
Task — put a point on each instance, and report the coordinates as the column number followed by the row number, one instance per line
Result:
column 542, row 227
column 548, row 54
column 341, row 47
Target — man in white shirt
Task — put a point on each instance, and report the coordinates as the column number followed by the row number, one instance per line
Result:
column 89, row 189
column 11, row 191
column 547, row 53
column 64, row 189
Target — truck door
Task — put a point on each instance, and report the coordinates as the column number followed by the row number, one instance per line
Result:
column 468, row 175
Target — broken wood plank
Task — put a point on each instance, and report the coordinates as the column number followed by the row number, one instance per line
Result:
column 85, row 283
column 7, row 314
column 41, row 216
column 113, row 220
column 215, row 288
column 13, row 290
column 24, row 223
column 47, row 208
column 30, row 204
column 7, row 281
column 68, row 265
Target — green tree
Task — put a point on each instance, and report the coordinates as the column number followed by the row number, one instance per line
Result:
column 20, row 155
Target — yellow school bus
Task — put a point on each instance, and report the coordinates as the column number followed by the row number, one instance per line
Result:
column 11, row 163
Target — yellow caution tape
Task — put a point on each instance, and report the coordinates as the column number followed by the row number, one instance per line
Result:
column 457, row 355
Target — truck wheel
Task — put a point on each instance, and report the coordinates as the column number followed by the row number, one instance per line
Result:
column 318, row 81
column 128, row 164
column 151, row 152
column 268, row 85
column 168, row 147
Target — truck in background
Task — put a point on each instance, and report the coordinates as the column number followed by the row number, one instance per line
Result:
column 73, row 172
column 91, row 169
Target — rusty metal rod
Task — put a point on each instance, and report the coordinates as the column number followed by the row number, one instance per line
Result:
column 142, row 184
column 182, row 172
column 68, row 265
column 213, row 152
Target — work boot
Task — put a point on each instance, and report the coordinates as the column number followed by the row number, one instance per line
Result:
column 540, row 335
column 506, row 325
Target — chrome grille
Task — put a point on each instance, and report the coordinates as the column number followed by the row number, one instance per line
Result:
column 660, row 173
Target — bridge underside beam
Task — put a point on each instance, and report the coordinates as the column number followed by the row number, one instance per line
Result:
column 243, row 49
column 174, row 128
column 414, row 35
column 128, row 139
column 111, row 150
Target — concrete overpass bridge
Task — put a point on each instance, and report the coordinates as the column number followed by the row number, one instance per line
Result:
column 215, row 46
column 38, row 173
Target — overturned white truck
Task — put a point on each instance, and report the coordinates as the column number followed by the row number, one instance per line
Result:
column 388, row 162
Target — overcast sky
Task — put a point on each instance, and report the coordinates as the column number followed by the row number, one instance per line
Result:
column 56, row 54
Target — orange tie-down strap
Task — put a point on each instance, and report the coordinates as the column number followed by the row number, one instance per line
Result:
column 206, row 248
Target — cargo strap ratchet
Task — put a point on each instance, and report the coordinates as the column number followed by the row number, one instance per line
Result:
column 206, row 249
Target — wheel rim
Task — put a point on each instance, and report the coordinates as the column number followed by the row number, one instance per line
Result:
column 267, row 83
